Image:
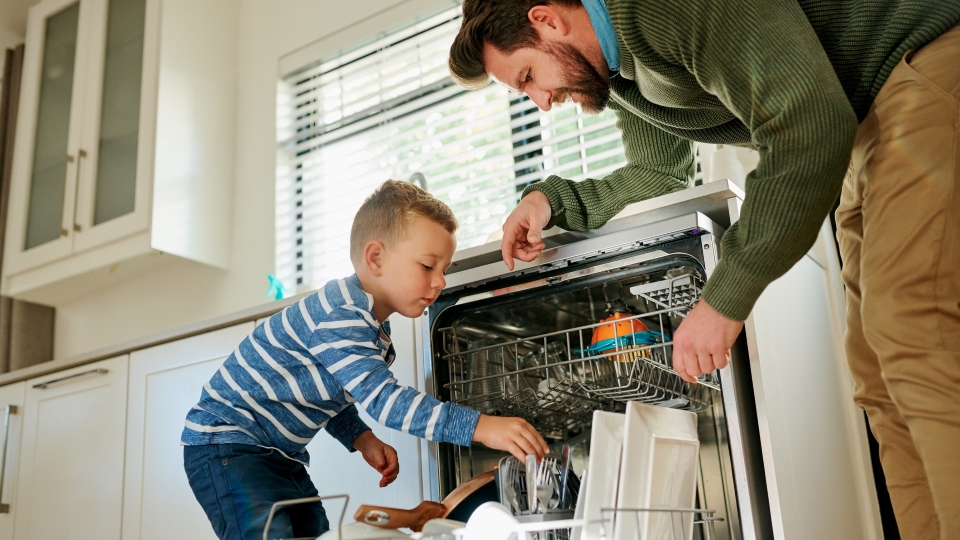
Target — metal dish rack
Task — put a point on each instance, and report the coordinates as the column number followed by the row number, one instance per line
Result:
column 556, row 380
column 629, row 523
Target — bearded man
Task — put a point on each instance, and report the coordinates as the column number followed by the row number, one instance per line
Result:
column 852, row 96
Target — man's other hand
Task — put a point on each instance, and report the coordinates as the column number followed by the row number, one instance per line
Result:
column 522, row 230
column 702, row 343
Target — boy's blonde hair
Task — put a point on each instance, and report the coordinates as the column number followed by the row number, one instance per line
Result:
column 385, row 214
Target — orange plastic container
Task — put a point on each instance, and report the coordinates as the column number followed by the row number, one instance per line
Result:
column 618, row 329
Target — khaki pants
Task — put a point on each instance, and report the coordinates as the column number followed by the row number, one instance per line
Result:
column 899, row 234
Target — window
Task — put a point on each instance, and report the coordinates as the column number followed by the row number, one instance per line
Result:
column 390, row 110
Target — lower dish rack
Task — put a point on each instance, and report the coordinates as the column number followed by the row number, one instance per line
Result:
column 620, row 523
column 556, row 380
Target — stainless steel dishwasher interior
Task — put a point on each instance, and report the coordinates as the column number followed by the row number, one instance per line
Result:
column 532, row 354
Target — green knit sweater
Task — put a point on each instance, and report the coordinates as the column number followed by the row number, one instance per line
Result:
column 788, row 78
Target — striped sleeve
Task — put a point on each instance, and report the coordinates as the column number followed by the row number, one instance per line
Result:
column 344, row 343
column 346, row 426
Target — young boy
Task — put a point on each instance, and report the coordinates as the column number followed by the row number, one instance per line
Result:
column 308, row 367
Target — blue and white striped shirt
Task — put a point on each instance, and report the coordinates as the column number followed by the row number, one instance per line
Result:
column 303, row 369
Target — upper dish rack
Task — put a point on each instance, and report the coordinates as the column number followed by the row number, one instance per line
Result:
column 556, row 380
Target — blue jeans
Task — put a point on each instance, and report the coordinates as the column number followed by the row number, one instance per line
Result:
column 237, row 484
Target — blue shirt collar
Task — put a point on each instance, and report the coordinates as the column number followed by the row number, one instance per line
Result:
column 603, row 26
column 356, row 289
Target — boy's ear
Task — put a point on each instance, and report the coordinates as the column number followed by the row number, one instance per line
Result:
column 373, row 257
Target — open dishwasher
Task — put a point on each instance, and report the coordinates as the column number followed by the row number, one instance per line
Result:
column 538, row 343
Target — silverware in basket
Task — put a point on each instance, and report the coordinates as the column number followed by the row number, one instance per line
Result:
column 546, row 484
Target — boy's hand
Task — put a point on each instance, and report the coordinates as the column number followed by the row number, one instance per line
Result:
column 514, row 435
column 379, row 455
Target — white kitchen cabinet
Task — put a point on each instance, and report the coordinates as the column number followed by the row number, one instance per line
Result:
column 11, row 407
column 815, row 451
column 71, row 465
column 124, row 148
column 165, row 381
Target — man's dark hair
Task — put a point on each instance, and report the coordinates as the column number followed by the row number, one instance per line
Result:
column 501, row 23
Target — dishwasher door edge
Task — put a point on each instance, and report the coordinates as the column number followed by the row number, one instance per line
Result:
column 583, row 251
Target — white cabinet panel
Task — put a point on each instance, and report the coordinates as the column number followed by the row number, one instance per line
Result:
column 165, row 381
column 812, row 463
column 71, row 471
column 334, row 471
column 11, row 406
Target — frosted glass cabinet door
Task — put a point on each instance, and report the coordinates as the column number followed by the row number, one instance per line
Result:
column 120, row 111
column 108, row 187
column 49, row 174
column 49, row 129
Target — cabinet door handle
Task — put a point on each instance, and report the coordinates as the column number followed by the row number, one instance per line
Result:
column 76, row 196
column 45, row 384
column 66, row 186
column 11, row 409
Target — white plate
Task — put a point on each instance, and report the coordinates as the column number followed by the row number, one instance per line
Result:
column 578, row 509
column 362, row 531
column 490, row 521
column 658, row 470
column 606, row 443
column 442, row 526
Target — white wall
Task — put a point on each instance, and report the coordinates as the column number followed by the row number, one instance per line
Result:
column 13, row 26
column 13, row 23
column 272, row 32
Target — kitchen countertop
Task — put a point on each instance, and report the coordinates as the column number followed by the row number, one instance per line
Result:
column 709, row 199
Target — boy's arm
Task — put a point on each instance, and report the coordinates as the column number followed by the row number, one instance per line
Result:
column 345, row 345
column 346, row 427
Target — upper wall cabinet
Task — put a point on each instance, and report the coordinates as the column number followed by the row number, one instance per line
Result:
column 124, row 146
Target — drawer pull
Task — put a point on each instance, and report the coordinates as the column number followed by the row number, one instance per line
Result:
column 45, row 384
column 10, row 409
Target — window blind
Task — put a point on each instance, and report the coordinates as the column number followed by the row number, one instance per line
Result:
column 389, row 109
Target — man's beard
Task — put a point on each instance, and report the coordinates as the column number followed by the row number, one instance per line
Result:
column 580, row 77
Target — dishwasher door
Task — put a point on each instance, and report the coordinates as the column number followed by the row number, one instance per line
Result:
column 522, row 343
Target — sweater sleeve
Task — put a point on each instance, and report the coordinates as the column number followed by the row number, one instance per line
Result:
column 657, row 163
column 764, row 62
column 346, row 427
column 345, row 345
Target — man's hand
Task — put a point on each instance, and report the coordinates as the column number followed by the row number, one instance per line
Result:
column 514, row 435
column 521, row 231
column 702, row 343
column 379, row 455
